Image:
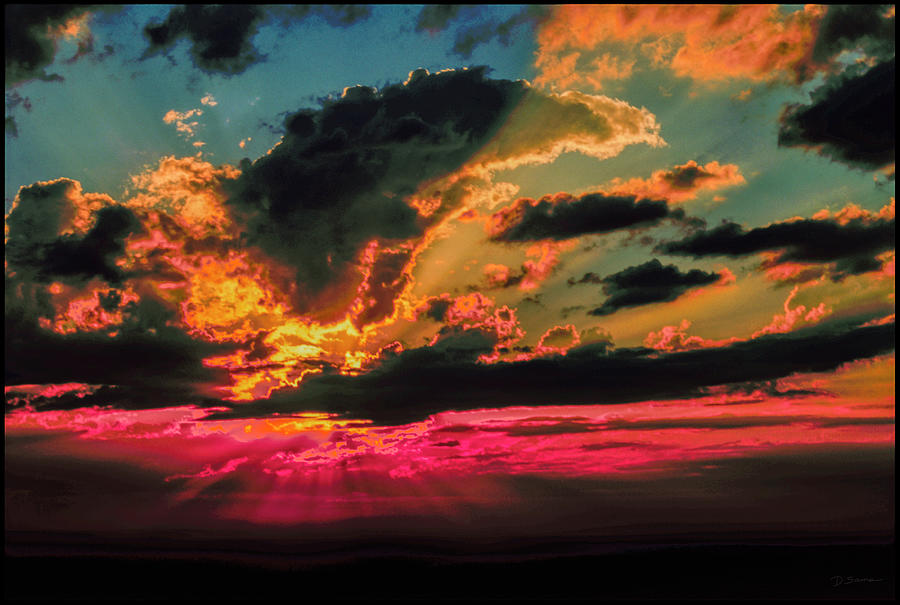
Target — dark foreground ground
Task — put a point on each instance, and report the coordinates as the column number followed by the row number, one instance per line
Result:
column 62, row 568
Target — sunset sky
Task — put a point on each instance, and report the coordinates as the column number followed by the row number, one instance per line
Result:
column 501, row 270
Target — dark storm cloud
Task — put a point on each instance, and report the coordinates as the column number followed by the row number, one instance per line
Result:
column 436, row 17
column 29, row 47
column 150, row 362
column 149, row 368
column 336, row 14
column 848, row 27
column 221, row 35
column 39, row 213
column 427, row 380
column 385, row 283
column 436, row 308
column 475, row 26
column 563, row 216
column 588, row 278
column 340, row 175
column 125, row 397
column 82, row 257
column 768, row 389
column 850, row 118
column 852, row 246
column 34, row 249
column 483, row 31
column 13, row 101
column 649, row 283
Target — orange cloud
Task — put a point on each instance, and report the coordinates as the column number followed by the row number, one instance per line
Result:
column 75, row 29
column 852, row 212
column 189, row 191
column 181, row 119
column 497, row 275
column 887, row 319
column 544, row 126
column 681, row 183
column 559, row 69
column 707, row 43
column 190, row 257
column 102, row 308
column 607, row 67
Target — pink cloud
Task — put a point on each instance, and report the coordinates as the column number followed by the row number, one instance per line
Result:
column 676, row 338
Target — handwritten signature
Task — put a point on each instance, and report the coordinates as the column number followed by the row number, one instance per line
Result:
column 840, row 580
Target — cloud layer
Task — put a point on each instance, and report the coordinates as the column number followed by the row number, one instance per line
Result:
column 851, row 245
column 403, row 388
